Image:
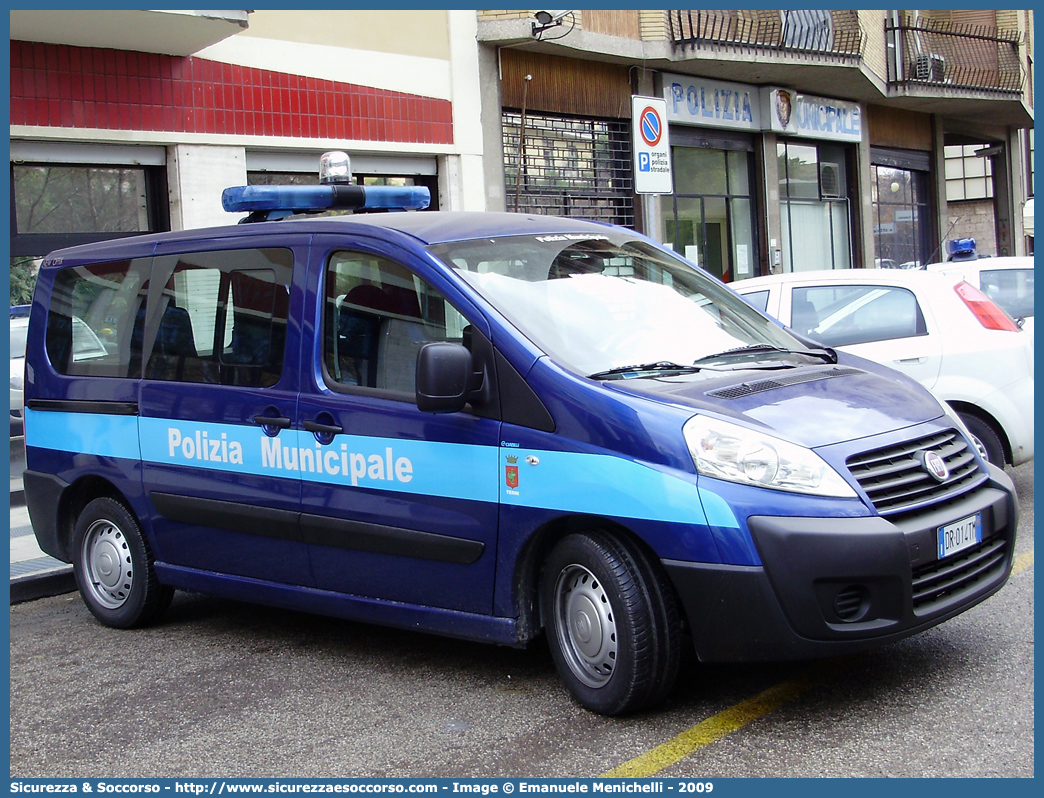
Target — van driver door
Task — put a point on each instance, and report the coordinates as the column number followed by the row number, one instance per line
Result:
column 397, row 504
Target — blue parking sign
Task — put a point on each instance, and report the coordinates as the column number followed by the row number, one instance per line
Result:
column 652, row 152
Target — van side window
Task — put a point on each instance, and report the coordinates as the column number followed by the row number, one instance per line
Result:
column 92, row 324
column 219, row 317
column 376, row 316
column 841, row 315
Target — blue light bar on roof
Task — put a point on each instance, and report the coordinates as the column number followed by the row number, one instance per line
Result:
column 321, row 198
column 962, row 248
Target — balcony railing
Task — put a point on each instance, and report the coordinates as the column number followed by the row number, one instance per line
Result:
column 820, row 33
column 942, row 54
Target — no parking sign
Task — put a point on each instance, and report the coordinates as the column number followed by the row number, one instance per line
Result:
column 652, row 151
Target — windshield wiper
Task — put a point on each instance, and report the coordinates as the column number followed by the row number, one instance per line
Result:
column 658, row 366
column 825, row 353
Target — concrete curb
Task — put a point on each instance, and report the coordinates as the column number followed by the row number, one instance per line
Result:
column 41, row 585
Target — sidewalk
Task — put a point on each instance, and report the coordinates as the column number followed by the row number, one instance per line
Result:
column 33, row 574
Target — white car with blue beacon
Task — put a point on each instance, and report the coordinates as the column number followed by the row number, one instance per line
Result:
column 489, row 426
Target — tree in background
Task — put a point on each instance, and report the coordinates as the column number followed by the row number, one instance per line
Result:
column 23, row 280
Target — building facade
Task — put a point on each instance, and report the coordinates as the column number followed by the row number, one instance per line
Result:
column 799, row 139
column 124, row 122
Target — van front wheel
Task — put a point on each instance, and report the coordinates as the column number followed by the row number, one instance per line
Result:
column 113, row 567
column 606, row 628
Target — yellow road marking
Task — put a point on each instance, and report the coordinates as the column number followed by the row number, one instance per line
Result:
column 724, row 723
column 1022, row 562
column 714, row 728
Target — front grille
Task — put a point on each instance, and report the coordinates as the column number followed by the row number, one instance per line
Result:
column 895, row 481
column 749, row 388
column 939, row 579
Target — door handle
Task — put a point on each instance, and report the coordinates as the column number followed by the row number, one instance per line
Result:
column 327, row 429
column 272, row 421
column 911, row 360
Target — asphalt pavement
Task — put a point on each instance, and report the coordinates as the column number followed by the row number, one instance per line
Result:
column 216, row 681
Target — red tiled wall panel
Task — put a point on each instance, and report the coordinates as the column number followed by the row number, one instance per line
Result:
column 62, row 86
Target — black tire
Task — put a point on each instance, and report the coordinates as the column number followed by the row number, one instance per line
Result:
column 113, row 566
column 611, row 625
column 985, row 437
column 667, row 627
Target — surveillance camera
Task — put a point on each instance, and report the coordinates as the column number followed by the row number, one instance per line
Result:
column 550, row 17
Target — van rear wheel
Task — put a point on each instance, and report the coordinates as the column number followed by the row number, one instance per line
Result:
column 113, row 567
column 613, row 634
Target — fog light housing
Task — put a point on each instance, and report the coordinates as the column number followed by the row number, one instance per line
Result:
column 852, row 603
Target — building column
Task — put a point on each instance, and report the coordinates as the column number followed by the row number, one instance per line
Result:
column 196, row 176
column 770, row 202
column 492, row 128
column 1015, row 196
column 864, row 193
column 468, row 193
column 943, row 222
column 1002, row 198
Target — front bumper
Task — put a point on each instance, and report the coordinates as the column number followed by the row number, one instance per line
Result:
column 833, row 586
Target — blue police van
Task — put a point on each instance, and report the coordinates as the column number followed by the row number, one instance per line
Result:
column 489, row 426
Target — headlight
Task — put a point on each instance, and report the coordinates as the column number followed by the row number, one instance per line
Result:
column 17, row 381
column 727, row 451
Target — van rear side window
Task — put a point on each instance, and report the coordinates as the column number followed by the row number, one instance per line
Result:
column 220, row 317
column 96, row 318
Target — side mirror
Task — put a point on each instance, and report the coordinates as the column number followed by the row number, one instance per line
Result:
column 445, row 377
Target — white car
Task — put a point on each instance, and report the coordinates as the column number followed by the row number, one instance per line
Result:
column 936, row 328
column 1007, row 281
column 19, row 329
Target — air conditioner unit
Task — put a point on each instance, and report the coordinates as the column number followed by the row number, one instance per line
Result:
column 930, row 67
column 830, row 180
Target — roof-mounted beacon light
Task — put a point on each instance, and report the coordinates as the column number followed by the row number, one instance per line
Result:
column 265, row 203
column 335, row 167
column 963, row 249
column 304, row 199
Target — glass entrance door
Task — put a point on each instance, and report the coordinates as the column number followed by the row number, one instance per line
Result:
column 709, row 218
column 901, row 217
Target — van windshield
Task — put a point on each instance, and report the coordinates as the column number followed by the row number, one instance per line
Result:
column 613, row 306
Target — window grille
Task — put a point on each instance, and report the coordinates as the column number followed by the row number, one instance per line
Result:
column 574, row 167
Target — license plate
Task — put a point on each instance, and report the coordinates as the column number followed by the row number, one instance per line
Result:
column 960, row 535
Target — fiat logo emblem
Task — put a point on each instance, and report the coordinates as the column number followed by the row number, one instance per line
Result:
column 935, row 465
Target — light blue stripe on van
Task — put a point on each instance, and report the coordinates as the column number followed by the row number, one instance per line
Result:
column 602, row 485
column 565, row 481
column 86, row 433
